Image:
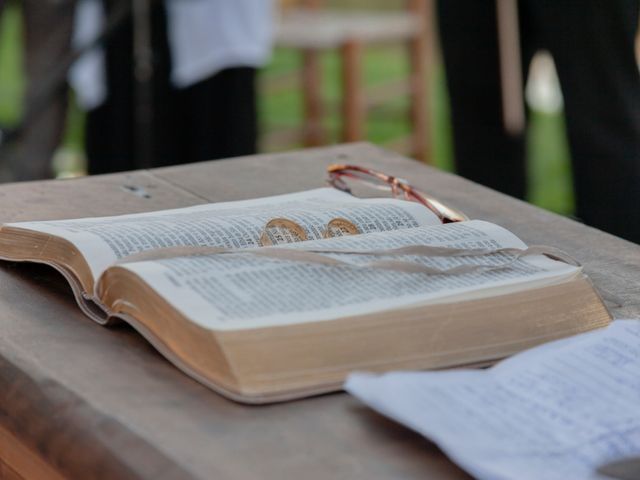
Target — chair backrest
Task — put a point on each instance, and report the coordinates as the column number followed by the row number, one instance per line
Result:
column 345, row 4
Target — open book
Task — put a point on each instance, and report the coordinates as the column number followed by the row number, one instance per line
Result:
column 267, row 323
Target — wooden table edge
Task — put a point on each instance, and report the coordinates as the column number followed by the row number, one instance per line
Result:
column 43, row 423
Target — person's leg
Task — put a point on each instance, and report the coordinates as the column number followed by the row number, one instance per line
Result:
column 221, row 116
column 112, row 129
column 47, row 37
column 484, row 151
column 592, row 43
column 165, row 147
column 109, row 138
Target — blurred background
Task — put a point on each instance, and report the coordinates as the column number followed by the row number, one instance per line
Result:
column 357, row 69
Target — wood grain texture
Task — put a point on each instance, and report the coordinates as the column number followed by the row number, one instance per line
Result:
column 7, row 472
column 421, row 53
column 353, row 101
column 98, row 402
column 314, row 133
column 19, row 461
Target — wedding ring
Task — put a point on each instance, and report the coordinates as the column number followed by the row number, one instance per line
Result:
column 339, row 227
column 282, row 230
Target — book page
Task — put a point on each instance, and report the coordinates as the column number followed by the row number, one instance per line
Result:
column 554, row 412
column 240, row 290
column 240, row 224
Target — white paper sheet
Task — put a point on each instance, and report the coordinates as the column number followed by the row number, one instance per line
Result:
column 554, row 412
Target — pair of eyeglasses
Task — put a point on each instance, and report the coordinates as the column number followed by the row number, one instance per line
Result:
column 341, row 177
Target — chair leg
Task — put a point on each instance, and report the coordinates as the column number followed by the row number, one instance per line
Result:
column 353, row 105
column 421, row 61
column 313, row 134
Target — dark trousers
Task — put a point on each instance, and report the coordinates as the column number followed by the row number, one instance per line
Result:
column 592, row 43
column 215, row 118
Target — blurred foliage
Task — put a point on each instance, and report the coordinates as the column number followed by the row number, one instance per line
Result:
column 11, row 78
column 547, row 150
column 550, row 182
column 549, row 167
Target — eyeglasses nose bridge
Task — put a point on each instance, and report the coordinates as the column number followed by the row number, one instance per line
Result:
column 395, row 184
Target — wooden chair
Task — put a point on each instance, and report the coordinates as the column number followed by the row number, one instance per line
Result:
column 310, row 28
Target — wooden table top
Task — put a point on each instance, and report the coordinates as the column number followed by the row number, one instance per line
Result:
column 99, row 402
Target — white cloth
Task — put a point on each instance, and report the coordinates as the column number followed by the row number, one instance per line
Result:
column 87, row 75
column 205, row 37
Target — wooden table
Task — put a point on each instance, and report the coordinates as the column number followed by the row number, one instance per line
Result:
column 80, row 401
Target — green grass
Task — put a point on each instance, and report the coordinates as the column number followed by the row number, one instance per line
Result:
column 11, row 79
column 550, row 183
column 384, row 124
